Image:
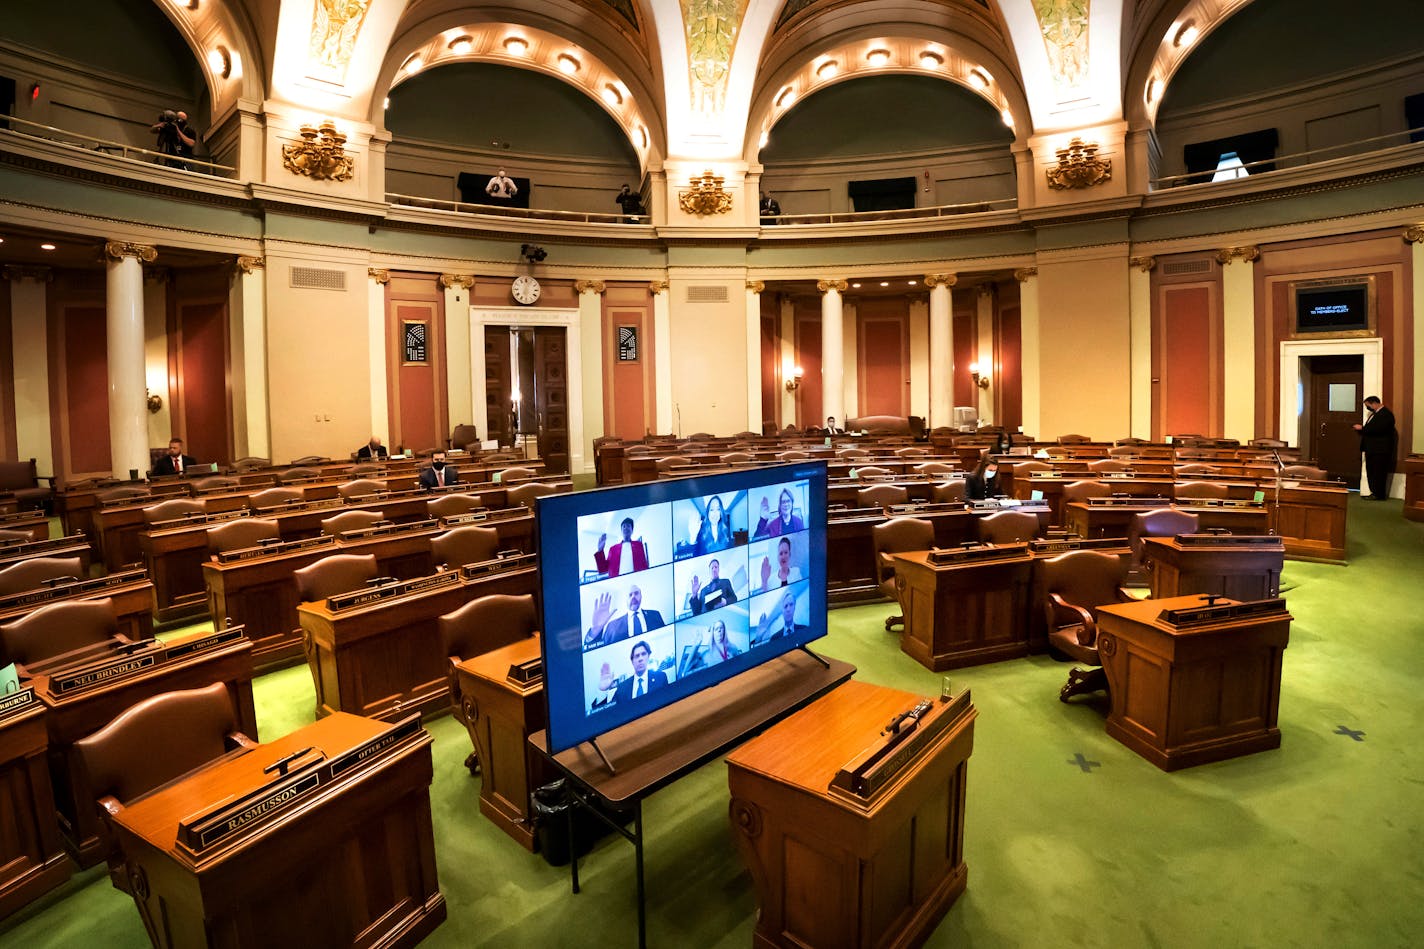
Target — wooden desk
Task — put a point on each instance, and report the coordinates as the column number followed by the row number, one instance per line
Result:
column 1051, row 488
column 383, row 659
column 965, row 614
column 835, row 871
column 130, row 592
column 72, row 546
column 350, row 862
column 1200, row 564
column 32, row 857
column 1413, row 470
column 850, row 549
column 83, row 697
column 1186, row 695
column 1090, row 520
column 33, row 523
column 500, row 716
column 1311, row 519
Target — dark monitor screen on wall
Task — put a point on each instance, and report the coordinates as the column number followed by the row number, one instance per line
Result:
column 653, row 592
column 1334, row 309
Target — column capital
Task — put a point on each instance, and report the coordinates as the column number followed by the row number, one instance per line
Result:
column 756, row 286
column 1245, row 254
column 1414, row 234
column 158, row 274
column 18, row 272
column 985, row 289
column 1024, row 274
column 381, row 277
column 251, row 264
column 657, row 286
column 452, row 281
column 933, row 280
column 1144, row 264
column 118, row 250
column 589, row 286
column 825, row 286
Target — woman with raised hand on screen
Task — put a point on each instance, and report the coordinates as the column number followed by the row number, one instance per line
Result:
column 784, row 573
column 715, row 647
column 716, row 531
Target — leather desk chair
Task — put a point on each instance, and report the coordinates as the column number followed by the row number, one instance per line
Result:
column 1123, row 449
column 449, row 505
column 948, row 492
column 638, row 450
column 121, row 494
column 480, row 626
column 521, row 474
column 850, row 454
column 31, row 574
column 700, row 437
column 465, row 437
column 194, row 728
column 350, row 521
column 1108, row 464
column 215, row 483
column 736, row 457
column 1196, row 469
column 1305, row 473
column 1082, row 490
column 57, row 629
column 1200, row 489
column 792, row 455
column 1267, row 443
column 1075, row 585
column 360, row 488
column 1007, row 527
column 872, row 471
column 671, row 461
column 298, row 474
column 339, row 573
column 1073, row 439
column 244, row 532
column 1023, row 469
column 897, row 535
column 526, row 493
column 364, row 469
column 1166, row 522
column 274, row 497
column 14, row 537
column 455, row 548
column 881, row 495
column 1129, row 442
column 251, row 462
column 173, row 510
column 911, row 452
column 308, row 460
column 934, row 468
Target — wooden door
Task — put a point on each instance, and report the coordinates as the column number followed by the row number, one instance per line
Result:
column 884, row 350
column 551, row 396
column 499, row 386
column 1335, row 406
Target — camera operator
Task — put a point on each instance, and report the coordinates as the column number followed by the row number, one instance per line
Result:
column 174, row 138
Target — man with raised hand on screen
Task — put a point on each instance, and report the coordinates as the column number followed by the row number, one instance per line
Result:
column 626, row 556
column 717, row 592
column 782, row 623
column 606, row 629
column 640, row 682
column 786, row 521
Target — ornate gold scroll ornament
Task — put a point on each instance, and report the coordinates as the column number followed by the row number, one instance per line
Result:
column 1079, row 167
column 321, row 154
column 706, row 195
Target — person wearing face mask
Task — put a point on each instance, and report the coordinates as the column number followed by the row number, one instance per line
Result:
column 983, row 482
column 439, row 474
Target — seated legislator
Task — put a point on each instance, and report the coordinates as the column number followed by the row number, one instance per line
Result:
column 981, row 484
column 640, row 682
column 714, row 648
column 174, row 462
column 785, row 573
column 606, row 629
column 780, row 623
column 787, row 521
column 626, row 556
column 372, row 450
column 714, row 593
column 439, row 474
column 715, row 533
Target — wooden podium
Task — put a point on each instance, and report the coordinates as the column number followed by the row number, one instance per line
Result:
column 1194, row 681
column 1240, row 566
column 339, row 851
column 835, row 870
column 32, row 857
column 965, row 612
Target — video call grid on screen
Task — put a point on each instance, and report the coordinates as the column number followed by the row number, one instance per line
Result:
column 675, row 585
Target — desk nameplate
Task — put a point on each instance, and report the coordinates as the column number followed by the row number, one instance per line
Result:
column 505, row 562
column 1188, row 617
column 16, row 702
column 273, row 550
column 986, row 553
column 1128, row 501
column 1263, row 541
column 388, row 528
column 357, row 598
column 1064, row 544
column 61, row 591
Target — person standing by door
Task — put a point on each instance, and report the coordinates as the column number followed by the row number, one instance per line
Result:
column 1377, row 440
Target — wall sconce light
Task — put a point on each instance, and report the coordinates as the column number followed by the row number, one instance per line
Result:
column 980, row 380
column 155, row 402
column 793, row 379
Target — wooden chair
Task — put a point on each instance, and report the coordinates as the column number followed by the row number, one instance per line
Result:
column 1108, row 464
column 736, row 457
column 193, row 728
column 339, row 573
column 1073, row 439
column 350, row 521
column 361, row 488
column 121, row 494
column 20, row 478
column 1124, row 451
column 243, row 532
column 1305, row 473
column 215, row 483
column 1184, row 490
column 463, row 545
column 1023, row 469
column 872, row 471
column 32, row 574
column 449, row 505
column 274, row 497
column 480, row 626
column 1129, row 442
column 515, row 474
column 897, row 535
column 365, row 468
column 308, row 460
column 1082, row 490
column 1196, row 469
column 911, row 452
column 881, row 495
column 526, row 493
column 174, row 510
column 850, row 454
column 56, row 629
column 298, row 474
column 1007, row 527
column 792, row 455
column 948, row 492
column 251, row 462
column 1165, row 522
column 932, row 468
column 672, row 461
column 465, row 438
column 1075, row 586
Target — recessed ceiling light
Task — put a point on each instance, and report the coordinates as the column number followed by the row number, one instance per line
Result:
column 413, row 64
column 885, row 283
column 855, row 286
column 1154, row 90
column 929, row 59
column 642, row 137
column 979, row 79
column 386, row 102
column 787, row 96
column 220, row 61
column 828, row 69
column 46, row 247
column 765, row 137
column 516, row 45
column 568, row 64
column 1008, row 117
column 461, row 45
column 1186, row 35
column 878, row 57
column 912, row 282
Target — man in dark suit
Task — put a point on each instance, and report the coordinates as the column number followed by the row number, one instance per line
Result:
column 781, row 623
column 642, row 680
column 439, row 474
column 372, row 450
column 175, row 462
column 603, row 630
column 786, row 520
column 717, row 592
column 1378, row 440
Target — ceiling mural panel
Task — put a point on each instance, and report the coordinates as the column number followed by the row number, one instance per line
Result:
column 336, row 24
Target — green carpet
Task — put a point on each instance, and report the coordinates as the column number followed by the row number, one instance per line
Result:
column 1320, row 843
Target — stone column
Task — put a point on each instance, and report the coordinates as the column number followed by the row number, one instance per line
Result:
column 662, row 356
column 590, row 356
column 1139, row 304
column 30, row 355
column 459, row 379
column 252, row 433
column 1414, row 236
column 1238, row 340
column 788, row 361
column 376, row 283
column 128, row 405
column 1028, row 343
column 754, row 416
column 832, row 352
column 941, row 349
column 988, row 367
column 158, row 282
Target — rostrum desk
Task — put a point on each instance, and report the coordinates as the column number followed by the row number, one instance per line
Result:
column 344, row 859
column 1113, row 518
column 1242, row 567
column 836, row 870
column 32, row 857
column 1189, row 691
column 966, row 612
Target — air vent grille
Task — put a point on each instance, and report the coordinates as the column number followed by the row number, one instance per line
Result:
column 1176, row 268
column 317, row 278
column 707, row 293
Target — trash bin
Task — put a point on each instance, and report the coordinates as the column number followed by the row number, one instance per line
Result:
column 548, row 809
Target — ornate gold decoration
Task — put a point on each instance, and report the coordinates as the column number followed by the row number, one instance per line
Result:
column 1025, row 273
column 1144, row 264
column 380, row 276
column 452, row 280
column 1414, row 234
column 838, row 285
column 118, row 250
column 321, row 154
column 933, row 280
column 1246, row 254
column 712, row 27
column 335, row 27
column 756, row 286
column 589, row 286
column 1064, row 24
column 1079, row 167
column 251, row 264
column 706, row 196
column 657, row 286
column 18, row 272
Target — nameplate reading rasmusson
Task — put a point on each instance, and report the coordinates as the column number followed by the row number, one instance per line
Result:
column 274, row 800
column 15, row 702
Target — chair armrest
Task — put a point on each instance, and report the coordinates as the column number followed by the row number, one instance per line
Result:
column 1125, row 596
column 110, row 806
column 1088, row 627
column 236, row 740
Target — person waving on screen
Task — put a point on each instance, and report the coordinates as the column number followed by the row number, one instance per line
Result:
column 605, row 628
column 626, row 556
column 779, row 624
column 642, row 681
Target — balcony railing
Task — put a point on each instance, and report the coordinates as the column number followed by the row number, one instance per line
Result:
column 1311, row 156
column 541, row 214
column 902, row 214
column 89, row 143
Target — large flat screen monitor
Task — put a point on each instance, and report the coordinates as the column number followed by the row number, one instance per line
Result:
column 654, row 591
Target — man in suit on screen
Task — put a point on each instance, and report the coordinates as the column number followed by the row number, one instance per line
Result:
column 626, row 556
column 781, row 623
column 717, row 591
column 643, row 679
column 605, row 629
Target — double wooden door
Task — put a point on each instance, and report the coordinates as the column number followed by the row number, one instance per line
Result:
column 527, row 390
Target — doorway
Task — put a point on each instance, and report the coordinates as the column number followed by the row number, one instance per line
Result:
column 526, row 390
column 1332, row 387
column 1295, row 421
